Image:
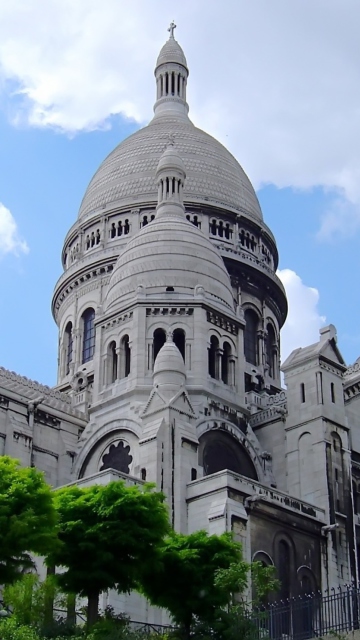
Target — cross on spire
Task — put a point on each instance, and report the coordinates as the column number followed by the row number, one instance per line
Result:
column 172, row 28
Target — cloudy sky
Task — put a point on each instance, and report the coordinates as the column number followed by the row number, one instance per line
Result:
column 277, row 81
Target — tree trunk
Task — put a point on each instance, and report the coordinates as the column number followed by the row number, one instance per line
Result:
column 49, row 597
column 71, row 609
column 93, row 608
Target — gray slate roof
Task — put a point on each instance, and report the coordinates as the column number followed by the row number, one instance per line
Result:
column 30, row 389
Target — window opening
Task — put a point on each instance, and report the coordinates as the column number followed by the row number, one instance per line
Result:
column 225, row 363
column 113, row 362
column 250, row 337
column 88, row 318
column 159, row 341
column 68, row 347
column 213, row 351
column 332, row 391
column 302, row 392
column 179, row 340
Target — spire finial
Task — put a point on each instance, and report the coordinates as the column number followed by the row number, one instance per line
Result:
column 172, row 28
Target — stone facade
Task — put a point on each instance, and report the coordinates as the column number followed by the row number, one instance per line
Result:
column 169, row 313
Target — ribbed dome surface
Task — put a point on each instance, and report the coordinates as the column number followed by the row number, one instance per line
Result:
column 127, row 175
column 170, row 252
column 171, row 52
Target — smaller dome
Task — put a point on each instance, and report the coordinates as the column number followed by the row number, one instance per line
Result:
column 171, row 160
column 171, row 52
column 169, row 368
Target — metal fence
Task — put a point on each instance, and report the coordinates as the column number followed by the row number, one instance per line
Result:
column 309, row 616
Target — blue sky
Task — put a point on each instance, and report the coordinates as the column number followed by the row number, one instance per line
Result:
column 290, row 115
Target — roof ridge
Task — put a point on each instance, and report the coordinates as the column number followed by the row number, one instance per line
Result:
column 33, row 384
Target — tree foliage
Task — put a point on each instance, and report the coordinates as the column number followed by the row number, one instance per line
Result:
column 185, row 580
column 107, row 533
column 27, row 518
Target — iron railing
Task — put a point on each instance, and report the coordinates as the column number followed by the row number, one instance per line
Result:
column 308, row 616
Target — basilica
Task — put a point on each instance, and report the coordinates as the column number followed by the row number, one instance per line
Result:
column 169, row 313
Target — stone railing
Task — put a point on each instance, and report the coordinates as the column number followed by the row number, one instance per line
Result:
column 241, row 484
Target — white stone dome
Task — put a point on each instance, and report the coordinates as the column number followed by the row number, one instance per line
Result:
column 170, row 252
column 171, row 52
column 169, row 367
column 127, row 175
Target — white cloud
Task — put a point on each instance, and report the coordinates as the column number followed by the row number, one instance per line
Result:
column 304, row 320
column 276, row 81
column 10, row 241
column 341, row 218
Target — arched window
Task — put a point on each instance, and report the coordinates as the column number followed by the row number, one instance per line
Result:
column 250, row 337
column 159, row 341
column 226, row 364
column 125, row 357
column 270, row 349
column 213, row 227
column 179, row 340
column 284, row 569
column 112, row 362
column 213, row 354
column 88, row 349
column 68, row 347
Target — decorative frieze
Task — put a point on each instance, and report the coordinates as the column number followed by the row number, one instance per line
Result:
column 41, row 417
column 169, row 311
column 118, row 320
column 220, row 321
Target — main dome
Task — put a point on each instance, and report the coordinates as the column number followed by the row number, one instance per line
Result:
column 127, row 175
column 126, row 178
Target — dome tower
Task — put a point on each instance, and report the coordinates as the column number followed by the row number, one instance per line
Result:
column 149, row 238
column 171, row 73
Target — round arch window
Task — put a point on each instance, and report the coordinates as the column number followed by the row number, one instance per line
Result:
column 219, row 450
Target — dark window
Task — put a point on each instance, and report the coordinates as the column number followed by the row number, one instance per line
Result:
column 179, row 340
column 125, row 357
column 193, row 474
column 88, row 318
column 113, row 362
column 213, row 357
column 226, row 364
column 159, row 341
column 247, row 382
column 250, row 337
column 270, row 349
column 213, row 227
column 302, row 392
column 332, row 390
column 143, row 474
column 68, row 346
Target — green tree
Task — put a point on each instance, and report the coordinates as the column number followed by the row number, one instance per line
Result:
column 107, row 533
column 234, row 620
column 27, row 518
column 184, row 583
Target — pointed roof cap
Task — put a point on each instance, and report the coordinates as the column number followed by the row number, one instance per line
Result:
column 171, row 159
column 171, row 51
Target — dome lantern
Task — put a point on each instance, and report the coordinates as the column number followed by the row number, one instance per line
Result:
column 171, row 73
column 170, row 179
